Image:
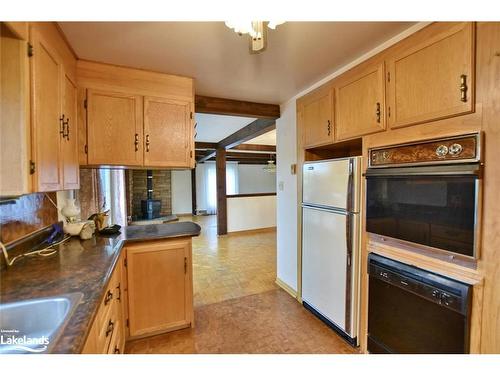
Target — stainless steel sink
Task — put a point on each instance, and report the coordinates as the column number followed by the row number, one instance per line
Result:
column 33, row 326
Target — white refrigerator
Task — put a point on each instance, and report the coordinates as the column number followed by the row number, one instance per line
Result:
column 331, row 242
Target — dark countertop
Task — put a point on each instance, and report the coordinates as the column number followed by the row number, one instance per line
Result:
column 79, row 266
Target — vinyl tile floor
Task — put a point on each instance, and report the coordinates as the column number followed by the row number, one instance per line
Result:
column 238, row 307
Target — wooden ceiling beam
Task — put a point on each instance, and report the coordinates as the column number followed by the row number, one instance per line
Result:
column 252, row 130
column 208, row 155
column 205, row 145
column 251, row 147
column 222, row 106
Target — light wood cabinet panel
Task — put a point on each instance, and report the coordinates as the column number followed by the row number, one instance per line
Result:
column 359, row 102
column 15, row 144
column 168, row 133
column 114, row 128
column 159, row 286
column 46, row 81
column 317, row 118
column 71, row 170
column 433, row 78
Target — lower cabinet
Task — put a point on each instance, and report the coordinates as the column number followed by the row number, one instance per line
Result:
column 160, row 289
column 149, row 292
column 107, row 335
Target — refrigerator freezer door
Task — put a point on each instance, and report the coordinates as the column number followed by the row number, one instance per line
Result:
column 325, row 268
column 331, row 184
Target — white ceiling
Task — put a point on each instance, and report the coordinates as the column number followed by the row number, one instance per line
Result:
column 268, row 138
column 298, row 53
column 214, row 128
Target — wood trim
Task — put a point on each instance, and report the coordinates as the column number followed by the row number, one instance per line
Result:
column 287, row 288
column 250, row 195
column 222, row 106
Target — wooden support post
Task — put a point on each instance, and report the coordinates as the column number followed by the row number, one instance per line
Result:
column 220, row 173
column 193, row 190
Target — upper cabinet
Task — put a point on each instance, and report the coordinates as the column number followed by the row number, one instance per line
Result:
column 168, row 133
column 135, row 118
column 53, row 115
column 432, row 77
column 114, row 131
column 360, row 102
column 14, row 114
column 316, row 116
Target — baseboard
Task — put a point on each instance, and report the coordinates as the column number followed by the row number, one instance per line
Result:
column 253, row 231
column 287, row 288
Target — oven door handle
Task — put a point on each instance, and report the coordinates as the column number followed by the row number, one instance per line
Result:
column 474, row 169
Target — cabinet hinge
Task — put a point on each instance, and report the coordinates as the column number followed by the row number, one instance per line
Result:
column 86, row 149
column 388, row 76
column 191, row 154
column 127, row 323
column 85, row 103
column 185, row 265
column 125, row 262
column 30, row 50
column 389, row 111
column 32, row 167
column 191, row 115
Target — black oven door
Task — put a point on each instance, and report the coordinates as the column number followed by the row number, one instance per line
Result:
column 432, row 206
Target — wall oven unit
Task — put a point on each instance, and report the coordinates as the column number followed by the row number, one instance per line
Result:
column 428, row 193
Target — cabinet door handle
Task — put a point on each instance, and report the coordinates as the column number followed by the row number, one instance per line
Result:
column 61, row 126
column 117, row 350
column 111, row 327
column 147, row 142
column 136, row 142
column 66, row 133
column 463, row 88
column 378, row 113
column 109, row 297
column 329, row 127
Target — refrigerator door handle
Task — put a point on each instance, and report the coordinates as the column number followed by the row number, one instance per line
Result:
column 327, row 209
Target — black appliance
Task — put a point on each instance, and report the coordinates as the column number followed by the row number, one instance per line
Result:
column 427, row 193
column 413, row 311
column 150, row 208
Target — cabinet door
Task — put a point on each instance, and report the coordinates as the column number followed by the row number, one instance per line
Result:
column 46, row 80
column 434, row 78
column 114, row 128
column 359, row 102
column 168, row 133
column 317, row 118
column 71, row 170
column 159, row 286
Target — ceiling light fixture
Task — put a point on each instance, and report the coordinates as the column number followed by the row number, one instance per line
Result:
column 256, row 30
column 270, row 166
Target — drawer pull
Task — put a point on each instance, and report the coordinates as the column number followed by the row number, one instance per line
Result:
column 109, row 297
column 111, row 327
column 378, row 113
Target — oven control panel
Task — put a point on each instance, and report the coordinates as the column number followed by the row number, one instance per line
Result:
column 439, row 151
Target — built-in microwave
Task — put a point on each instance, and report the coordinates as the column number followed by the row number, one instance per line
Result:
column 427, row 193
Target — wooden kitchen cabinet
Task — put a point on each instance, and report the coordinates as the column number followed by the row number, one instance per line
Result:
column 160, row 291
column 114, row 128
column 316, row 111
column 168, row 133
column 54, row 119
column 360, row 102
column 15, row 142
column 107, row 333
column 432, row 77
column 71, row 166
column 46, row 83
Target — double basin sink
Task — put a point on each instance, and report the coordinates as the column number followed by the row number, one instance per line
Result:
column 33, row 326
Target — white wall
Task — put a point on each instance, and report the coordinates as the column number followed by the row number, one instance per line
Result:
column 286, row 148
column 247, row 213
column 181, row 192
column 286, row 197
column 254, row 179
